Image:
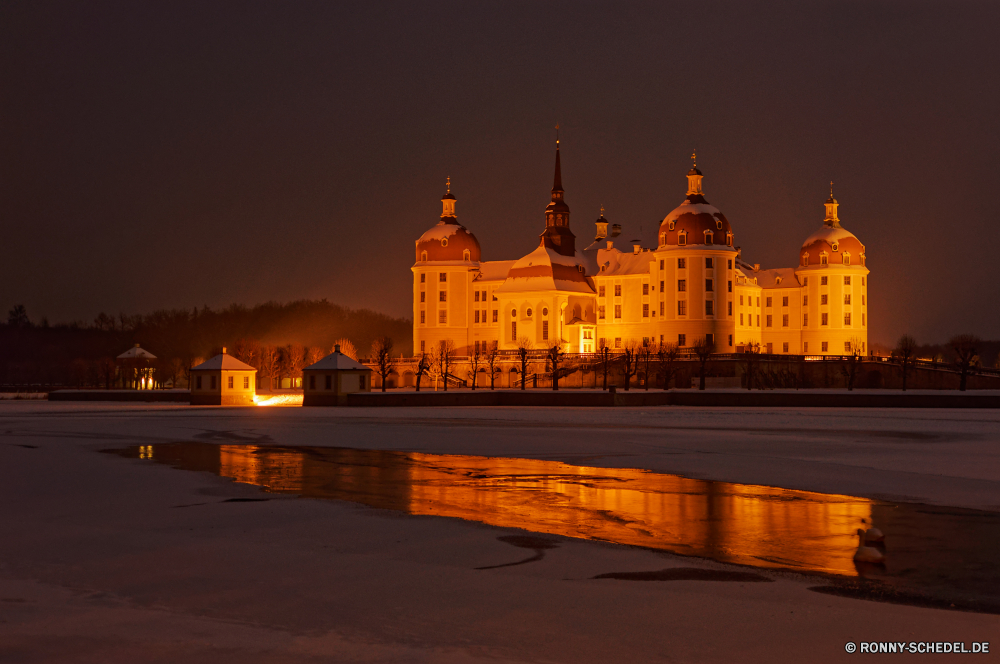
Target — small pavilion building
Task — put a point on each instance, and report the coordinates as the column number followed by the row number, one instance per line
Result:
column 223, row 381
column 136, row 367
column 329, row 381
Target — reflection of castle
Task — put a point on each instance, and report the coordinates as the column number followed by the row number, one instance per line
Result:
column 692, row 286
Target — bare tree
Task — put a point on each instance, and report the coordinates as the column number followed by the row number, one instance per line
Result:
column 423, row 366
column 646, row 360
column 666, row 354
column 605, row 360
column 493, row 361
column 905, row 348
column 446, row 353
column 703, row 349
column 382, row 354
column 347, row 347
column 523, row 347
column 18, row 317
column 247, row 350
column 751, row 361
column 630, row 360
column 270, row 364
column 852, row 363
column 554, row 356
column 475, row 360
column 966, row 347
column 107, row 369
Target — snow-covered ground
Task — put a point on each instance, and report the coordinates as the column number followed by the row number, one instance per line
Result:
column 110, row 559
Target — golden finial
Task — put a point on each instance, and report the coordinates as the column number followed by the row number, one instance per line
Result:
column 447, row 183
column 557, row 133
column 831, row 188
column 694, row 159
column 602, row 210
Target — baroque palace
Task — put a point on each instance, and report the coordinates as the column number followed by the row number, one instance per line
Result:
column 693, row 286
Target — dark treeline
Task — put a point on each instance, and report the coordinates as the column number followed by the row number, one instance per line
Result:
column 84, row 354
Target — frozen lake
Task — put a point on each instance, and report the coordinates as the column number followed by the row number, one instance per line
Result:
column 115, row 559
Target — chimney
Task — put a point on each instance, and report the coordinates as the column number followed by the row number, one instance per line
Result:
column 223, row 350
column 636, row 246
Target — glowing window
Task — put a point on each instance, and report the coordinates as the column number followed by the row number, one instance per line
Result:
column 682, row 238
column 423, row 257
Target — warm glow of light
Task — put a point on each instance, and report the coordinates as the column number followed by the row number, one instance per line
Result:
column 278, row 400
column 738, row 523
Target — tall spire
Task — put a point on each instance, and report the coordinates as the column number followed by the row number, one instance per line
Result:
column 557, row 188
column 831, row 219
column 557, row 234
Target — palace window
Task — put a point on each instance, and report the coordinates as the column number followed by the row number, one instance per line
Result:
column 545, row 330
column 681, row 263
column 423, row 346
column 862, row 281
column 663, row 239
column 529, row 312
column 443, row 317
column 741, row 300
column 847, row 298
column 730, row 341
column 682, row 307
column 822, row 281
column 423, row 257
column 862, row 320
column 784, row 301
column 671, row 225
column 730, row 308
column 730, row 286
column 708, row 237
column 477, row 315
column 847, row 346
column 805, row 300
column 477, row 296
column 729, row 241
column 847, row 319
column 423, row 296
column 661, row 308
column 822, row 258
column 767, row 302
column 423, row 277
column 246, row 382
column 758, row 320
column 805, row 346
column 682, row 340
column 661, row 263
column 847, row 259
column 805, row 281
column 825, row 346
column 513, row 330
column 423, row 317
column 600, row 291
column 618, row 342
column 710, row 339
column 709, row 308
column 442, row 296
column 496, row 315
column 645, row 289
column 708, row 285
column 682, row 239
column 847, row 280
column 661, row 286
column 768, row 319
column 805, row 320
column 618, row 311
column 443, row 276
column 681, row 285
column 784, row 320
column 823, row 298
column 513, row 313
column 618, row 290
column 466, row 256
column 645, row 311
column 484, row 296
column 600, row 312
column 710, row 263
column 545, row 311
column 730, row 264
column 824, row 319
column 484, row 315
column 805, row 260
column 784, row 347
column 741, row 319
column 758, row 301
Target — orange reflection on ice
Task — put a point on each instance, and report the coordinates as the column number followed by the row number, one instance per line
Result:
column 739, row 523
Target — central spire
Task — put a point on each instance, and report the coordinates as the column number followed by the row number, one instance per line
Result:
column 557, row 234
column 832, row 219
column 694, row 177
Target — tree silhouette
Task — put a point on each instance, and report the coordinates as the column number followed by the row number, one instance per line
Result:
column 905, row 348
column 966, row 347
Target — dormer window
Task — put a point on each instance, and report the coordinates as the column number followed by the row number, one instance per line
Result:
column 805, row 260
column 423, row 256
column 729, row 239
column 466, row 256
column 862, row 260
column 682, row 238
column 777, row 280
column 708, row 237
column 670, row 226
column 718, row 224
column 444, row 242
column 847, row 258
column 663, row 238
column 822, row 258
column 836, row 247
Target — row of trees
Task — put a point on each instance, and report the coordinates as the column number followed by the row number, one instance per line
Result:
column 966, row 349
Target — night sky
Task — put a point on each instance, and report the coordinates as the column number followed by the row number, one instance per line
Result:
column 205, row 153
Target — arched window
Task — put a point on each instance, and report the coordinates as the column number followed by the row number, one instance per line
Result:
column 822, row 258
column 670, row 226
column 862, row 259
column 663, row 239
column 529, row 312
column 466, row 256
column 682, row 238
column 847, row 258
column 423, row 256
column 729, row 239
column 805, row 260
column 708, row 237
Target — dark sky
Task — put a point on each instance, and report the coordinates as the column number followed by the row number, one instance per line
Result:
column 184, row 154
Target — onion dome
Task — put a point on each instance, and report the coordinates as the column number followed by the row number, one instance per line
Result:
column 832, row 244
column 448, row 240
column 695, row 222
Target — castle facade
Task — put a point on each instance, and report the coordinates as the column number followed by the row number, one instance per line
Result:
column 694, row 286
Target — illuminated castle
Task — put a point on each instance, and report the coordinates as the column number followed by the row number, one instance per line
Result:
column 693, row 286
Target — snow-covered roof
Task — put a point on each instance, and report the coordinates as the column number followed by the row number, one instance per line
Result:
column 494, row 270
column 223, row 362
column 136, row 353
column 620, row 262
column 782, row 277
column 829, row 234
column 545, row 269
column 337, row 361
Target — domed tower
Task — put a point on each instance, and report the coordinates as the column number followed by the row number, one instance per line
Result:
column 834, row 276
column 695, row 264
column 447, row 260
